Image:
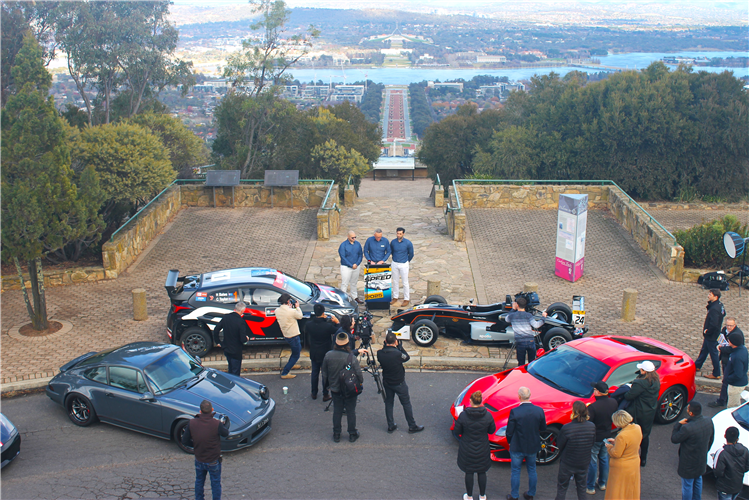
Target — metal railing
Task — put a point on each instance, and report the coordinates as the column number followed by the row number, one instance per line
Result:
column 242, row 181
column 543, row 181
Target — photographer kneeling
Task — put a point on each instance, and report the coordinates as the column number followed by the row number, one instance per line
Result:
column 391, row 358
column 337, row 364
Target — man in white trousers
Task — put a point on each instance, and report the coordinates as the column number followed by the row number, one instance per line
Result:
column 402, row 251
column 351, row 255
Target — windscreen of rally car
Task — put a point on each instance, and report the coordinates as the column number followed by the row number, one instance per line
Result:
column 569, row 370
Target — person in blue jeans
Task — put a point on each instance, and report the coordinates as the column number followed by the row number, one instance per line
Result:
column 600, row 412
column 694, row 435
column 203, row 434
column 288, row 315
column 524, row 427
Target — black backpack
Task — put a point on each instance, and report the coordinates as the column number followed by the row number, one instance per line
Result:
column 349, row 382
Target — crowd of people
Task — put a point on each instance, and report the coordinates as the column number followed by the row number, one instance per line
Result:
column 603, row 447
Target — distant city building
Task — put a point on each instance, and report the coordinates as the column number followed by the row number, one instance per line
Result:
column 347, row 93
column 315, row 91
column 456, row 85
column 490, row 59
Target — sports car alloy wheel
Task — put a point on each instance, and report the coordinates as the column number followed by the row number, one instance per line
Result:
column 549, row 449
column 671, row 405
column 196, row 341
column 80, row 410
column 179, row 431
column 424, row 333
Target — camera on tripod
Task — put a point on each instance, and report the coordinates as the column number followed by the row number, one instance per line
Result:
column 363, row 328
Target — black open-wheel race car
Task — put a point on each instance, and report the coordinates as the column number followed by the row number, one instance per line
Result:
column 485, row 324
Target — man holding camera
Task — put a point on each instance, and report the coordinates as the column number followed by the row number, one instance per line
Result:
column 288, row 315
column 320, row 332
column 204, row 433
column 391, row 358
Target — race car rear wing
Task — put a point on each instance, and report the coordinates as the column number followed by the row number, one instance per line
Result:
column 172, row 280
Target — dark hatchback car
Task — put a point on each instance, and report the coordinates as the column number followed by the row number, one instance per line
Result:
column 10, row 440
column 156, row 389
column 199, row 301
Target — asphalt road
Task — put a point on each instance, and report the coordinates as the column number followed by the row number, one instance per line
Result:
column 298, row 459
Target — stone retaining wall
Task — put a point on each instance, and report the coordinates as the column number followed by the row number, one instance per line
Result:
column 669, row 205
column 124, row 248
column 655, row 241
column 328, row 218
column 71, row 276
column 530, row 196
column 301, row 196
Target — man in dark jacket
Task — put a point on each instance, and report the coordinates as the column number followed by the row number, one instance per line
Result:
column 694, row 435
column 204, row 434
column 333, row 363
column 575, row 442
column 736, row 369
column 236, row 333
column 391, row 359
column 319, row 333
column 730, row 466
column 725, row 352
column 524, row 427
column 710, row 332
column 600, row 413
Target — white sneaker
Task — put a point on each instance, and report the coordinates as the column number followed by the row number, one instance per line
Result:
column 466, row 497
column 482, row 497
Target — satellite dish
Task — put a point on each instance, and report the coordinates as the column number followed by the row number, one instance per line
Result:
column 734, row 244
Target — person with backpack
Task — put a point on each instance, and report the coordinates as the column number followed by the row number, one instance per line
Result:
column 730, row 466
column 345, row 378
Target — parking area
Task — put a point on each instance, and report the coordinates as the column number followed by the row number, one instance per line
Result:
column 517, row 246
column 197, row 240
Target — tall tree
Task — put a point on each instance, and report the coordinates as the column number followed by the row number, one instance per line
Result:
column 255, row 72
column 41, row 209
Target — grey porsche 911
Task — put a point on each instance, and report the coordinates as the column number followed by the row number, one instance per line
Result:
column 156, row 389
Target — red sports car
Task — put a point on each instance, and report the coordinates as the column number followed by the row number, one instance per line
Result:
column 564, row 375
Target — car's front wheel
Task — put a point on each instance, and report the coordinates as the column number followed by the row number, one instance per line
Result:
column 179, row 431
column 671, row 404
column 196, row 341
column 549, row 448
column 555, row 337
column 424, row 333
column 80, row 410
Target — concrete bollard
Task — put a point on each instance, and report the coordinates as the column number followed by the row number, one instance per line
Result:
column 530, row 287
column 629, row 304
column 434, row 288
column 140, row 312
column 333, row 283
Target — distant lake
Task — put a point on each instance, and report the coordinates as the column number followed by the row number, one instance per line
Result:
column 404, row 76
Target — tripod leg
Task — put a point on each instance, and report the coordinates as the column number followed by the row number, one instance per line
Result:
column 509, row 354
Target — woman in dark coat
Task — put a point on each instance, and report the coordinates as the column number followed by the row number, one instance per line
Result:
column 474, row 426
column 643, row 397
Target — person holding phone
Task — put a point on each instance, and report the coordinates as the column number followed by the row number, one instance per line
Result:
column 288, row 315
column 320, row 331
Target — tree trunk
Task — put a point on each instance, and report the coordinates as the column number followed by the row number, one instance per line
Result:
column 29, row 309
column 39, row 318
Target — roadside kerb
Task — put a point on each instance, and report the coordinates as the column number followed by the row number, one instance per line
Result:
column 415, row 364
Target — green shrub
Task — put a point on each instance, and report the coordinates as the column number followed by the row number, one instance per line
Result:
column 703, row 244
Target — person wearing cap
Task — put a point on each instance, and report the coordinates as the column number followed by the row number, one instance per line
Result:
column 731, row 463
column 736, row 368
column 332, row 366
column 600, row 412
column 694, row 435
column 643, row 398
column 710, row 332
column 725, row 349
column 523, row 324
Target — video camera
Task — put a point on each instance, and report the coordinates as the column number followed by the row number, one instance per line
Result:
column 363, row 328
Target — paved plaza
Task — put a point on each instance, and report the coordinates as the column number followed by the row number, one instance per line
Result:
column 504, row 249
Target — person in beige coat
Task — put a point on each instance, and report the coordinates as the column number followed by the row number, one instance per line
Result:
column 624, row 463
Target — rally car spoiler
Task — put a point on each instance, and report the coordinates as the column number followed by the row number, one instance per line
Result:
column 172, row 279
